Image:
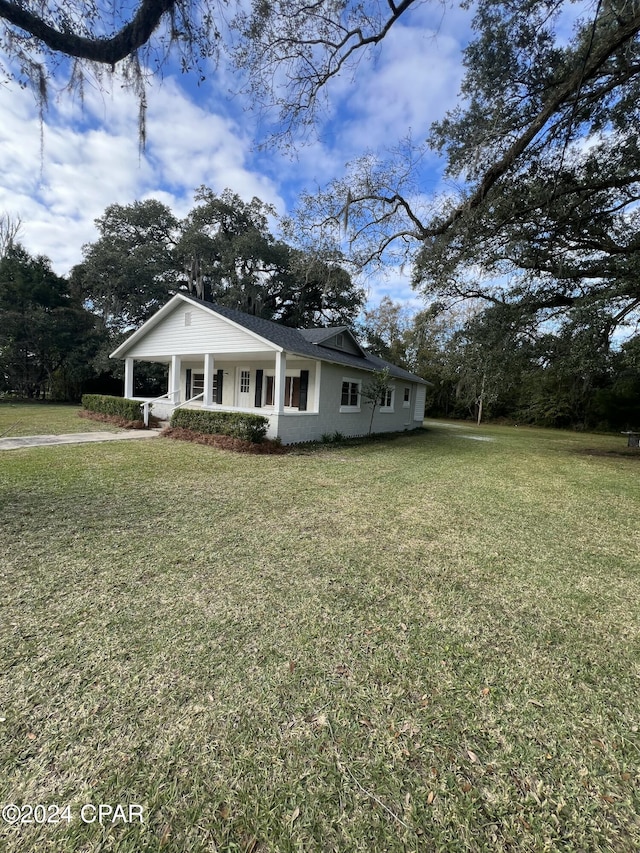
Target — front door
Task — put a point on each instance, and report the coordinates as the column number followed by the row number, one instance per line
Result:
column 244, row 388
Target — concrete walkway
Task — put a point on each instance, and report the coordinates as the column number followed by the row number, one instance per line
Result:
column 23, row 441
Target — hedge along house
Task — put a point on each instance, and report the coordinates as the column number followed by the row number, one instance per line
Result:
column 308, row 382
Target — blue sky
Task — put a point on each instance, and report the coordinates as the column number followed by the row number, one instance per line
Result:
column 89, row 155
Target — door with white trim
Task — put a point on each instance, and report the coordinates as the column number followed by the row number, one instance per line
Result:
column 243, row 388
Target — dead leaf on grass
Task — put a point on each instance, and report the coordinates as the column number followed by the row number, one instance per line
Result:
column 292, row 665
column 430, row 797
column 294, row 815
column 472, row 756
column 166, row 833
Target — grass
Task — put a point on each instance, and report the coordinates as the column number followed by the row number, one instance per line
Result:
column 32, row 418
column 427, row 644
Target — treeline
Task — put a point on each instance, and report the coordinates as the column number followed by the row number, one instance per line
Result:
column 488, row 363
column 484, row 359
column 56, row 333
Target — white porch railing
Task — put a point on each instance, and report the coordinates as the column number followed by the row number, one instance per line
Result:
column 146, row 406
column 186, row 402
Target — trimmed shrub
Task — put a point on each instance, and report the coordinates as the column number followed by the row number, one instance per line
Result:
column 118, row 407
column 248, row 427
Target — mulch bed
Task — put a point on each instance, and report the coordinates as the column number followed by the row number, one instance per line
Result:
column 224, row 442
column 114, row 420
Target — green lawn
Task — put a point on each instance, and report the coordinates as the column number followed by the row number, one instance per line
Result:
column 44, row 419
column 428, row 644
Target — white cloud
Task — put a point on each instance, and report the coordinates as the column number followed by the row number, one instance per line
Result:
column 89, row 157
column 61, row 174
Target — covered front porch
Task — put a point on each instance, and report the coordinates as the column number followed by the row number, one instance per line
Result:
column 272, row 385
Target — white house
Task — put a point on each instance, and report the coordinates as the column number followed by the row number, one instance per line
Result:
column 308, row 382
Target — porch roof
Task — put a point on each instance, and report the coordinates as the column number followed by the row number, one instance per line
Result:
column 306, row 343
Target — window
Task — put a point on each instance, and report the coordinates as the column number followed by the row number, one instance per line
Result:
column 187, row 318
column 406, row 400
column 339, row 339
column 386, row 400
column 296, row 390
column 350, row 396
column 292, row 392
column 268, row 396
column 245, row 380
column 197, row 384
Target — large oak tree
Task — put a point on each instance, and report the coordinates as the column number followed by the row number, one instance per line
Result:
column 542, row 153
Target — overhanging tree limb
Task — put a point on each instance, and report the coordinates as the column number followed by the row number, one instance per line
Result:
column 560, row 96
column 108, row 51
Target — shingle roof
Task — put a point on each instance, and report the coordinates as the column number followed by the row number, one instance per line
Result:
column 317, row 335
column 301, row 341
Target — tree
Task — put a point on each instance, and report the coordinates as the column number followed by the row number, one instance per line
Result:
column 129, row 271
column 47, row 339
column 10, row 227
column 485, row 359
column 229, row 256
column 228, row 253
column 375, row 391
column 223, row 251
column 543, row 148
column 545, row 161
column 385, row 330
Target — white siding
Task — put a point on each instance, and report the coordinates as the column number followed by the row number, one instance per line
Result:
column 294, row 427
column 206, row 333
column 418, row 413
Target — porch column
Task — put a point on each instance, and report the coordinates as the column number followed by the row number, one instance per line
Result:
column 207, row 400
column 278, row 390
column 128, row 378
column 174, row 379
column 316, row 387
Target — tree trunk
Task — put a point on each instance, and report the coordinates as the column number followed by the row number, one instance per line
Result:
column 481, row 399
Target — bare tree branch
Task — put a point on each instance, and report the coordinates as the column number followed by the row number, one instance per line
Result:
column 564, row 91
column 104, row 50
